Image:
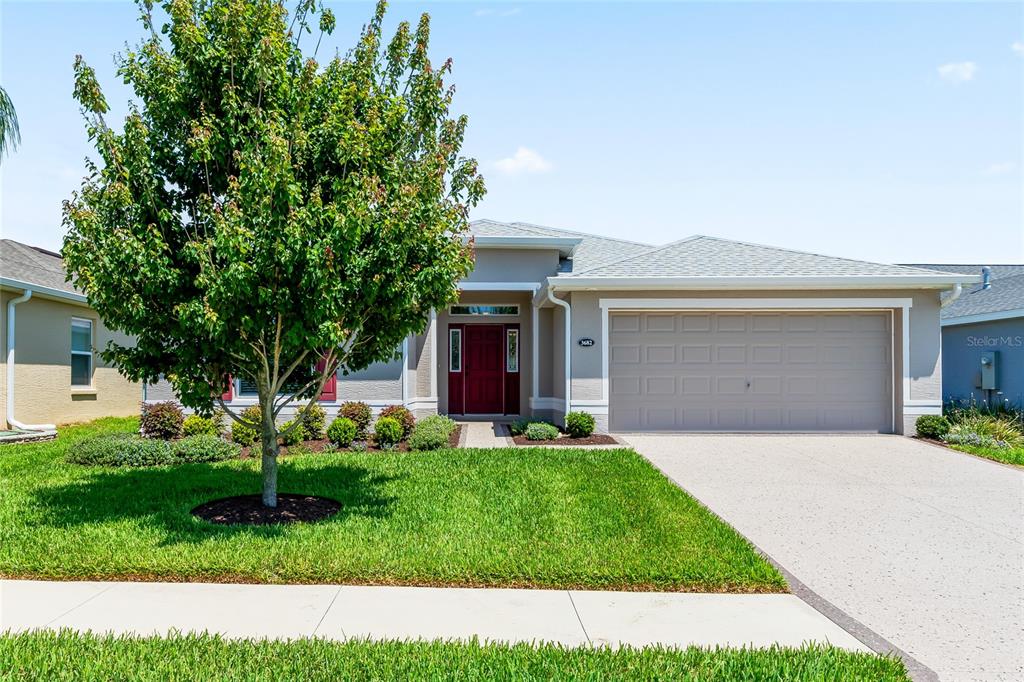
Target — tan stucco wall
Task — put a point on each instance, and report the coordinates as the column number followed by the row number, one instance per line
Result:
column 43, row 391
column 925, row 340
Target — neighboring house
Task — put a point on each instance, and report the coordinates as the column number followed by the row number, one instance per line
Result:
column 703, row 334
column 50, row 337
column 985, row 321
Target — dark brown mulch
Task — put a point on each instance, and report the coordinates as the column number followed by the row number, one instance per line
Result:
column 592, row 439
column 314, row 446
column 249, row 510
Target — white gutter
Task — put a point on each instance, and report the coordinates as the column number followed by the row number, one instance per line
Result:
column 953, row 295
column 576, row 283
column 44, row 291
column 11, row 421
column 568, row 343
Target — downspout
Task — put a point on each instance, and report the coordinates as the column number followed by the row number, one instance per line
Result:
column 953, row 295
column 568, row 343
column 11, row 421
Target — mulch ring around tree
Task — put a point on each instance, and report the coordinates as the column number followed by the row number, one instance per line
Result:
column 249, row 510
column 592, row 439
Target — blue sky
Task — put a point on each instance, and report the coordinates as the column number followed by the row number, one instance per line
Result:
column 882, row 131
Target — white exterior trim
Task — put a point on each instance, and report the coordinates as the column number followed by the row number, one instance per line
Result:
column 779, row 282
column 918, row 410
column 497, row 286
column 983, row 317
column 754, row 303
column 435, row 356
column 547, row 403
column 594, row 407
column 44, row 291
column 821, row 304
column 534, row 354
column 422, row 404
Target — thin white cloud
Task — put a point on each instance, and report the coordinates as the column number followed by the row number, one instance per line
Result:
column 496, row 12
column 1001, row 168
column 958, row 72
column 1018, row 47
column 524, row 161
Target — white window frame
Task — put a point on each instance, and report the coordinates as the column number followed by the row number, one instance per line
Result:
column 89, row 353
column 452, row 333
column 484, row 305
column 509, row 334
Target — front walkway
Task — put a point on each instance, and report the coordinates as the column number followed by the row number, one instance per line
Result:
column 484, row 434
column 923, row 545
column 572, row 618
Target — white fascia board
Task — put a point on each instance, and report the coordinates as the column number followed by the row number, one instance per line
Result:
column 47, row 292
column 650, row 283
column 565, row 246
column 753, row 303
column 983, row 317
column 499, row 286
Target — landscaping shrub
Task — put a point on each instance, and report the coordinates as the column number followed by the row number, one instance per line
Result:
column 541, row 431
column 402, row 415
column 932, row 426
column 432, row 433
column 518, row 427
column 162, row 420
column 313, row 421
column 130, row 450
column 359, row 413
column 290, row 436
column 985, row 430
column 579, row 424
column 246, row 435
column 387, row 431
column 342, row 432
column 198, row 425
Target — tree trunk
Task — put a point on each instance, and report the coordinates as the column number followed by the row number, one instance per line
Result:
column 270, row 450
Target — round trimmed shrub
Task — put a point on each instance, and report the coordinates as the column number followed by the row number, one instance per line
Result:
column 579, row 424
column 387, row 431
column 246, row 435
column 198, row 425
column 432, row 433
column 932, row 426
column 402, row 415
column 161, row 420
column 541, row 431
column 293, row 436
column 518, row 427
column 342, row 432
column 313, row 421
column 359, row 413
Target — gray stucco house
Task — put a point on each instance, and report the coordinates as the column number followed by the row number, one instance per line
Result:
column 703, row 334
column 984, row 323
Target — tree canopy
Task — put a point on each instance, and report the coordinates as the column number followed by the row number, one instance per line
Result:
column 260, row 212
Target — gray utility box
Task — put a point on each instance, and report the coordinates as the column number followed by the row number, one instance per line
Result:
column 989, row 365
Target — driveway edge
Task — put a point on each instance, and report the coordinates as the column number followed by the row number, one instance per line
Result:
column 917, row 670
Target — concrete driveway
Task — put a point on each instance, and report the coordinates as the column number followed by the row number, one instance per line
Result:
column 922, row 545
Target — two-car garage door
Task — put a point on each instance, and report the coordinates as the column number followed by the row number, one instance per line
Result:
column 750, row 371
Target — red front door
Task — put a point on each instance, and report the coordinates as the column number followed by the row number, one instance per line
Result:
column 484, row 360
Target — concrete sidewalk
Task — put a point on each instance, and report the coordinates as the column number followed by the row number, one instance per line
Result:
column 572, row 618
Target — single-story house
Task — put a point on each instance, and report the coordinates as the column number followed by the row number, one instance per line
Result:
column 983, row 337
column 703, row 334
column 52, row 373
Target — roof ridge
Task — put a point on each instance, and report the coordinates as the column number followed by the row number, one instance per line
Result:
column 645, row 254
column 33, row 248
column 535, row 228
column 818, row 255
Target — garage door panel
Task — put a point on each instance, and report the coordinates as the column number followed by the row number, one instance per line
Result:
column 736, row 371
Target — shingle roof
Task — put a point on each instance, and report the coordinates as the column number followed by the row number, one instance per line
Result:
column 702, row 256
column 1006, row 292
column 33, row 265
column 592, row 251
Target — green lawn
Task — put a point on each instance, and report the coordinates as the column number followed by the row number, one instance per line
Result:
column 603, row 519
column 1005, row 455
column 69, row 656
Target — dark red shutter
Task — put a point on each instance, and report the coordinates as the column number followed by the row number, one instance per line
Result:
column 330, row 391
column 226, row 397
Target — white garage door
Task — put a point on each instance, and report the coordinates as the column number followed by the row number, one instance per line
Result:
column 750, row 371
